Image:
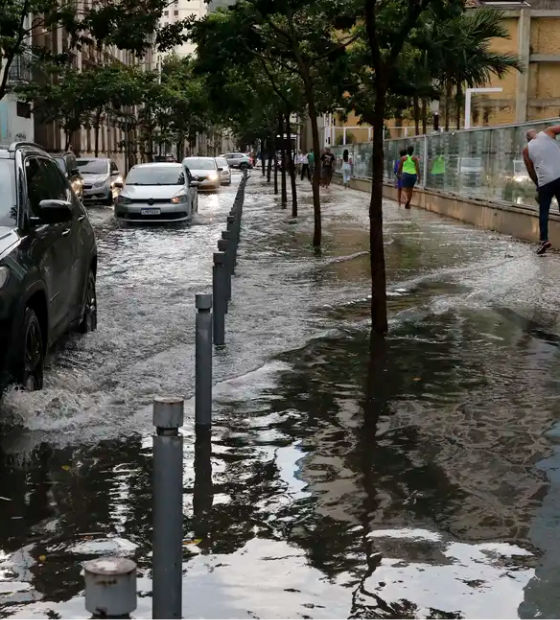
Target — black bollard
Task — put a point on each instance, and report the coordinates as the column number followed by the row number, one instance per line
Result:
column 203, row 357
column 220, row 298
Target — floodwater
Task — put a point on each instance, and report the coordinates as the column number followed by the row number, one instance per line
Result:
column 419, row 479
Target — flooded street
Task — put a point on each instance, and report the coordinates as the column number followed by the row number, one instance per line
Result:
column 418, row 480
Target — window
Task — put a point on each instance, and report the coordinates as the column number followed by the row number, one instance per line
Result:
column 23, row 109
column 8, row 211
column 114, row 169
column 175, row 12
column 35, row 182
column 56, row 187
column 166, row 13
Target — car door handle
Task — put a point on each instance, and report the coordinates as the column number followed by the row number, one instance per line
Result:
column 81, row 218
column 66, row 232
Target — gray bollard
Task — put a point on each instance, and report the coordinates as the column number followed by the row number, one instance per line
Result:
column 168, row 508
column 224, row 246
column 228, row 236
column 203, row 355
column 110, row 585
column 219, row 296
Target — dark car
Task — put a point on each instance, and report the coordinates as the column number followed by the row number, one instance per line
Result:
column 68, row 164
column 48, row 262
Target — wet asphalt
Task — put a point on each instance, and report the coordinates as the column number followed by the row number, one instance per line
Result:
column 417, row 479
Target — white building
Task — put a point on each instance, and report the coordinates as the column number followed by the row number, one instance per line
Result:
column 179, row 10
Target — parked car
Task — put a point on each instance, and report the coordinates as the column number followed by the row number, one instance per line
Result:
column 238, row 160
column 157, row 192
column 101, row 180
column 48, row 262
column 68, row 164
column 204, row 171
column 224, row 169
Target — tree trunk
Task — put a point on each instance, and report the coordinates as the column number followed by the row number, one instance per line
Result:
column 96, row 127
column 458, row 105
column 275, row 169
column 263, row 157
column 317, row 230
column 416, row 109
column 284, row 160
column 291, row 166
column 448, row 87
column 379, row 323
column 270, row 157
column 424, row 117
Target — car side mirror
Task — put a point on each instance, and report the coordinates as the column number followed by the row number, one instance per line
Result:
column 55, row 211
column 118, row 184
column 220, row 169
column 194, row 183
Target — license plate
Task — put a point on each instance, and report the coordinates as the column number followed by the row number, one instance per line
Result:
column 150, row 211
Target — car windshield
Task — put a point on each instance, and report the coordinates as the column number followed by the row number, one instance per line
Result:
column 93, row 166
column 7, row 189
column 200, row 164
column 221, row 161
column 156, row 175
column 61, row 163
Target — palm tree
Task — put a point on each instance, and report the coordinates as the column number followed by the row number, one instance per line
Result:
column 461, row 56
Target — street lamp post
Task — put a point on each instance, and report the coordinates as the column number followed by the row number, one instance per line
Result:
column 468, row 98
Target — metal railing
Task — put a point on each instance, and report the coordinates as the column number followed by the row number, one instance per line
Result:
column 484, row 163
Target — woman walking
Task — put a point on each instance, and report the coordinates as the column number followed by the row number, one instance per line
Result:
column 346, row 168
column 398, row 177
column 409, row 170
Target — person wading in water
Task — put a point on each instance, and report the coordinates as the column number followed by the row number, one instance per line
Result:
column 542, row 160
column 409, row 170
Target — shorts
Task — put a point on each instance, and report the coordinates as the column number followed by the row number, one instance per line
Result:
column 408, row 180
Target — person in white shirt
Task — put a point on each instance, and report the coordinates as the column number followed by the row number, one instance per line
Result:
column 298, row 162
column 305, row 167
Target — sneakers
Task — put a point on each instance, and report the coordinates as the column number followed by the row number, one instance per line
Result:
column 543, row 247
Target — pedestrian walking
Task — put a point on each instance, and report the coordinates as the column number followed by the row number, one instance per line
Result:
column 311, row 162
column 409, row 171
column 542, row 160
column 299, row 162
column 398, row 176
column 305, row 166
column 346, row 168
column 327, row 167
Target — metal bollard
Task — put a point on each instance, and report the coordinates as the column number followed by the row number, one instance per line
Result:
column 219, row 295
column 228, row 236
column 203, row 491
column 224, row 246
column 110, row 585
column 203, row 356
column 168, row 507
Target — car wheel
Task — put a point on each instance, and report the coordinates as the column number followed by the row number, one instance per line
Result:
column 29, row 367
column 89, row 319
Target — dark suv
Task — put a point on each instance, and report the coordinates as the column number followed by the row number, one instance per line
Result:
column 48, row 262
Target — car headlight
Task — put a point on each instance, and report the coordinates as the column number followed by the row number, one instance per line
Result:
column 123, row 200
column 179, row 199
column 213, row 176
column 99, row 184
column 4, row 274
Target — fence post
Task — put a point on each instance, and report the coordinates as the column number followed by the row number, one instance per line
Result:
column 425, row 166
column 203, row 355
column 168, row 507
column 219, row 296
column 224, row 247
column 110, row 585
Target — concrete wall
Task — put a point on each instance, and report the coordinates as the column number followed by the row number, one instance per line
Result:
column 12, row 126
column 515, row 220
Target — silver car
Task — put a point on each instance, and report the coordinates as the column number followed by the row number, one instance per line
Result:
column 101, row 179
column 225, row 171
column 158, row 192
column 204, row 171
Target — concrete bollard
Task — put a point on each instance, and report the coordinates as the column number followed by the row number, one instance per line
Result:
column 219, row 296
column 168, row 507
column 223, row 246
column 203, row 355
column 110, row 585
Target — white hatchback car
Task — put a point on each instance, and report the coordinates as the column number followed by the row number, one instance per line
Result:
column 224, row 169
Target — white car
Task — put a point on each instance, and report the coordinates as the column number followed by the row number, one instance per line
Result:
column 159, row 193
column 224, row 170
column 204, row 171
